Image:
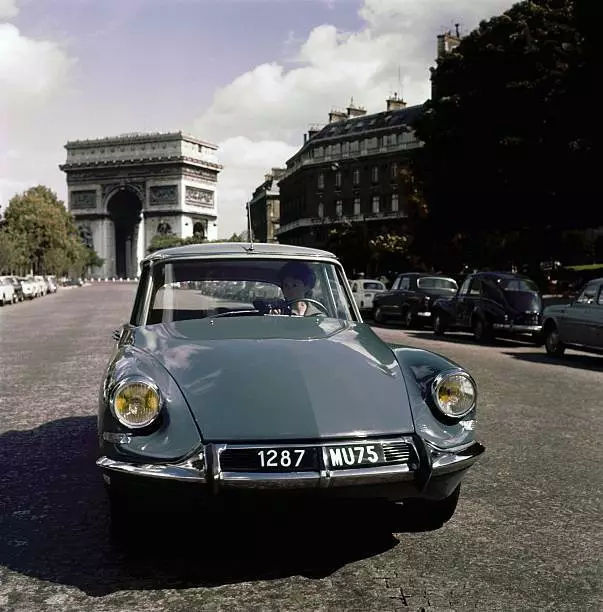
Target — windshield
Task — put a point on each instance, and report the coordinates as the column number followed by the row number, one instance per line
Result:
column 434, row 282
column 519, row 284
column 197, row 289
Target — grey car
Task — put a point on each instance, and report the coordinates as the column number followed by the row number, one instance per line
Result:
column 215, row 394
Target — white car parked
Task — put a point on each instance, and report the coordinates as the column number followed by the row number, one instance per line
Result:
column 7, row 291
column 364, row 289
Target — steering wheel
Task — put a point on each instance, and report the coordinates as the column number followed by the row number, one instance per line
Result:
column 311, row 301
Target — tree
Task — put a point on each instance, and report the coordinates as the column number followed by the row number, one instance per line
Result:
column 44, row 232
column 386, row 251
column 507, row 145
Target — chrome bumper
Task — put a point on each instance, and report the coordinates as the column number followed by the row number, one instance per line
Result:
column 517, row 328
column 199, row 470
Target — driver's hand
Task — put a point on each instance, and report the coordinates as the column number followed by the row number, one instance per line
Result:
column 299, row 308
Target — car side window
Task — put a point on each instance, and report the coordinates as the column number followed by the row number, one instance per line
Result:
column 354, row 287
column 475, row 287
column 405, row 284
column 396, row 284
column 465, row 287
column 600, row 299
column 588, row 294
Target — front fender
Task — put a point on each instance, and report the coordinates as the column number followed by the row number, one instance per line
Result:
column 420, row 367
column 172, row 437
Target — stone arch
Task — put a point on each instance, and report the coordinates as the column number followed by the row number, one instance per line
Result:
column 199, row 229
column 124, row 209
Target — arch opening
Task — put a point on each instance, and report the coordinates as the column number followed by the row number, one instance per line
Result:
column 199, row 229
column 124, row 208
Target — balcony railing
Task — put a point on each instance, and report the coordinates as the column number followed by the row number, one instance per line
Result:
column 352, row 155
column 320, row 221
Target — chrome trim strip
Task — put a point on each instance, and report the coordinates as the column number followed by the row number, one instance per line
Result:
column 184, row 471
column 274, row 480
column 519, row 328
column 368, row 476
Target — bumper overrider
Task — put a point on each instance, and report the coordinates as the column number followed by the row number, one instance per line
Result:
column 406, row 464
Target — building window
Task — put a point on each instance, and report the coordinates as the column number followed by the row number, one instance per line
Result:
column 318, row 152
column 355, row 146
column 356, row 206
column 346, row 148
column 339, row 208
column 375, row 174
column 394, row 171
column 375, row 204
column 338, row 179
column 321, row 210
column 321, row 181
column 395, row 202
column 356, row 178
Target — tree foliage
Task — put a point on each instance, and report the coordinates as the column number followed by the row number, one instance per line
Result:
column 40, row 235
column 508, row 141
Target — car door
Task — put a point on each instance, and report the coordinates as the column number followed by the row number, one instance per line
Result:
column 468, row 301
column 391, row 301
column 578, row 326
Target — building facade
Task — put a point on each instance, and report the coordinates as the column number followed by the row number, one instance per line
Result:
column 264, row 207
column 125, row 190
column 349, row 172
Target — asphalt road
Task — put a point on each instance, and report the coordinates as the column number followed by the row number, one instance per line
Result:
column 527, row 534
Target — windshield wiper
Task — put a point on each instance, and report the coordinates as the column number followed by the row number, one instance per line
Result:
column 234, row 313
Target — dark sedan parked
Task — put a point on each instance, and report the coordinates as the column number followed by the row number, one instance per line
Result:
column 577, row 325
column 492, row 304
column 411, row 297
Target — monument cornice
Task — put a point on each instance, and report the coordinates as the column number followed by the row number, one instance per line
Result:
column 176, row 160
column 138, row 138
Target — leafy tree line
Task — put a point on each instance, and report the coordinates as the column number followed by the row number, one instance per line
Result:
column 507, row 166
column 39, row 235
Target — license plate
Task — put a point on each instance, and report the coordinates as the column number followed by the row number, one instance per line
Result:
column 281, row 459
column 355, row 455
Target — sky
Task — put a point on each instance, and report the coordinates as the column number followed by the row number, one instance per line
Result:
column 248, row 75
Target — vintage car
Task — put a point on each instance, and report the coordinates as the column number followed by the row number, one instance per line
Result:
column 492, row 304
column 577, row 325
column 209, row 395
column 365, row 290
column 411, row 297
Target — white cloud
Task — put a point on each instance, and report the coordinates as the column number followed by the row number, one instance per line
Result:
column 8, row 9
column 29, row 69
column 392, row 53
column 33, row 73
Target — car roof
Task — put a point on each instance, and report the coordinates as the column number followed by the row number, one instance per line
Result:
column 210, row 249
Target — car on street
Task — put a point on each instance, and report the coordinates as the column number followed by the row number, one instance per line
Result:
column 492, row 304
column 214, row 395
column 577, row 325
column 365, row 290
column 410, row 298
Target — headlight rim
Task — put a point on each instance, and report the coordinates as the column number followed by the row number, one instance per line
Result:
column 130, row 380
column 440, row 378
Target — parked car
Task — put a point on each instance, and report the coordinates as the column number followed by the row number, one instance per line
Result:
column 364, row 291
column 491, row 304
column 577, row 325
column 18, row 287
column 7, row 291
column 411, row 296
column 210, row 396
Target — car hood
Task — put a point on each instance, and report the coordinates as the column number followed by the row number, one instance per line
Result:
column 279, row 378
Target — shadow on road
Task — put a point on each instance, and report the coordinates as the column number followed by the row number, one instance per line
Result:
column 54, row 527
column 569, row 360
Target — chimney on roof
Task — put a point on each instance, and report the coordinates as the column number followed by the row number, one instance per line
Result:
column 278, row 172
column 395, row 102
column 336, row 115
column 448, row 41
column 312, row 131
column 355, row 111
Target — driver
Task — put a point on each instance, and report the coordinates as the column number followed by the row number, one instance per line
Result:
column 297, row 281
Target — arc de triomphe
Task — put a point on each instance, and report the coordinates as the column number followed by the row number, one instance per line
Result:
column 123, row 191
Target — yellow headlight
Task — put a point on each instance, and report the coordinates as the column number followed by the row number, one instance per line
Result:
column 455, row 394
column 136, row 404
